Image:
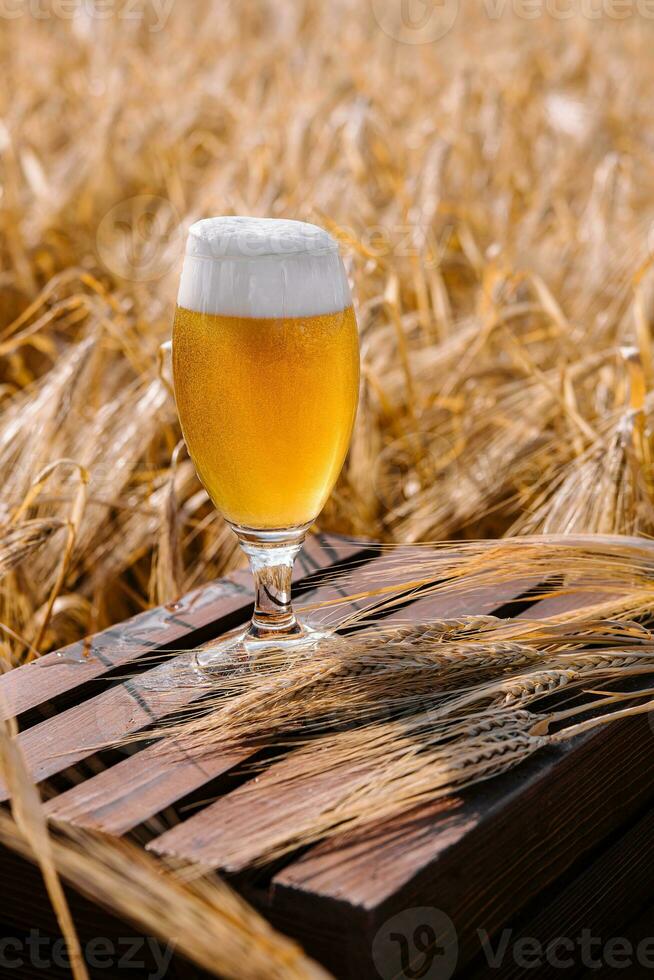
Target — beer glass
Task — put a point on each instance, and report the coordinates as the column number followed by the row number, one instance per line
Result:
column 266, row 378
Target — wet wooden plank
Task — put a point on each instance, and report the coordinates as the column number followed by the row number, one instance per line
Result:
column 125, row 795
column 148, row 633
column 131, row 706
column 221, row 603
column 105, row 719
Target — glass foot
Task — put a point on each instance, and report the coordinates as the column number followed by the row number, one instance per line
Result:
column 239, row 653
column 273, row 628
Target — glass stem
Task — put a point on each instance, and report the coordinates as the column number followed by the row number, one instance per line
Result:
column 271, row 562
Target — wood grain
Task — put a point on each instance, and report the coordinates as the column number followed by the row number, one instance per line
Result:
column 599, row 898
column 512, row 837
column 125, row 795
column 558, row 845
column 131, row 706
column 142, row 785
column 214, row 607
column 417, row 846
column 506, row 843
column 211, row 835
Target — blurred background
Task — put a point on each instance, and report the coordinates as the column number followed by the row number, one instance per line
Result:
column 489, row 170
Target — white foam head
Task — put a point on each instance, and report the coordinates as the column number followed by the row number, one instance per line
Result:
column 262, row 267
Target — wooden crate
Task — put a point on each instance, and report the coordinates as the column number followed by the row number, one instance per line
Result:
column 556, row 847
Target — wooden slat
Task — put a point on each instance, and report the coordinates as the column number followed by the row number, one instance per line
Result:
column 129, row 707
column 414, row 852
column 210, row 835
column 509, row 840
column 125, row 795
column 228, row 599
column 106, row 718
column 54, row 674
column 482, row 861
column 545, row 815
column 140, row 786
column 568, row 601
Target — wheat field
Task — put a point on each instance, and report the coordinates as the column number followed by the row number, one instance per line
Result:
column 493, row 193
column 489, row 171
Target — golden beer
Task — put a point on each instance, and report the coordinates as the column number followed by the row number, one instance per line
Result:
column 267, row 407
column 266, row 374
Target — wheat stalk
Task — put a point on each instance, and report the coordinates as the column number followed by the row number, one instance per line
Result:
column 495, row 210
column 205, row 920
column 494, row 396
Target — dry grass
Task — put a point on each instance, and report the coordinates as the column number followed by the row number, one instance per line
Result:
column 493, row 194
column 493, row 191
